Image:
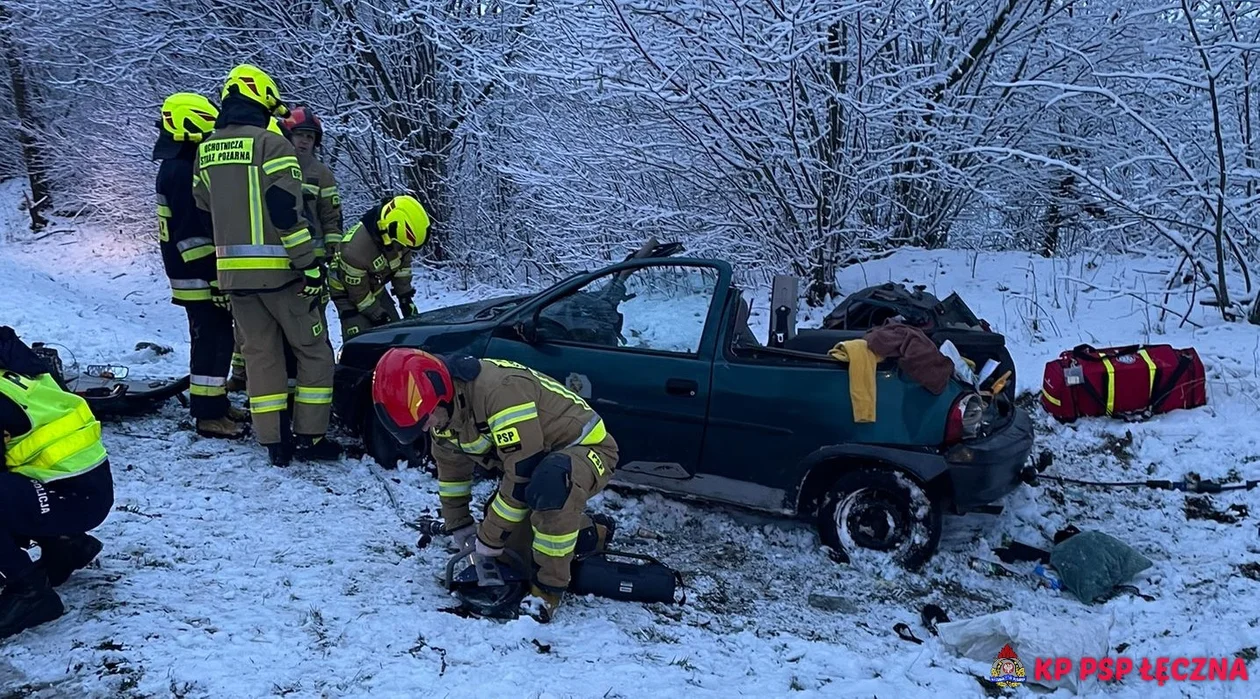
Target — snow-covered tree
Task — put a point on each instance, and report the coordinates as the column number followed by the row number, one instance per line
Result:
column 545, row 134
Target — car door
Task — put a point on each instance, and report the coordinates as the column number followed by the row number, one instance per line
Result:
column 637, row 344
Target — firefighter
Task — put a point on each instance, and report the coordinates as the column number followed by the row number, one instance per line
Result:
column 321, row 201
column 248, row 178
column 375, row 252
column 553, row 450
column 321, row 204
column 55, row 486
column 188, row 254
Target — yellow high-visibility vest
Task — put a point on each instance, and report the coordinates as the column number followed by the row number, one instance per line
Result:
column 65, row 437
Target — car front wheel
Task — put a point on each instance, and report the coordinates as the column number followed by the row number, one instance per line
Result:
column 873, row 515
column 386, row 451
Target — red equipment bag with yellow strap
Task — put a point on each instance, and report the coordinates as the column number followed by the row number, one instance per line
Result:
column 1127, row 382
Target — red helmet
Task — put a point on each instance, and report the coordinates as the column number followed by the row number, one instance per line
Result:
column 407, row 386
column 303, row 119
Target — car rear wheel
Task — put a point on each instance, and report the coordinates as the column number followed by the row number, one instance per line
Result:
column 874, row 515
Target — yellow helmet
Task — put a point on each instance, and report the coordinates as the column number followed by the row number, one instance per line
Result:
column 187, row 116
column 404, row 220
column 253, row 84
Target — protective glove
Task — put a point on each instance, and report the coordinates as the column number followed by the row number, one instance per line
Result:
column 314, row 281
column 219, row 298
column 378, row 317
column 483, row 550
column 462, row 538
column 408, row 307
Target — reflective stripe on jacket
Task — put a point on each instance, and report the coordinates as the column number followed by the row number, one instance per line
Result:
column 506, row 419
column 64, row 439
column 187, row 248
column 364, row 265
column 249, row 179
column 322, row 204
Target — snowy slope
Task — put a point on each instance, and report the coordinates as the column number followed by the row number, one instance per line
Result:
column 224, row 577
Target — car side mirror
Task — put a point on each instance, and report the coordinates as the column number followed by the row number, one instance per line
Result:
column 527, row 330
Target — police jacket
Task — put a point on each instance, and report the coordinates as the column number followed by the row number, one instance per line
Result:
column 46, row 433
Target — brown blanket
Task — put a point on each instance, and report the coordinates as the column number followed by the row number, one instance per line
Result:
column 918, row 355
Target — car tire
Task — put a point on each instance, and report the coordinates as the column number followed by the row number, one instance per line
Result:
column 379, row 444
column 880, row 513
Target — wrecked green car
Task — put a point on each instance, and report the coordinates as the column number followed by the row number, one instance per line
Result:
column 701, row 409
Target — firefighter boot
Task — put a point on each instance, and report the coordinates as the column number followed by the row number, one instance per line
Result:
column 27, row 601
column 317, row 448
column 235, row 413
column 220, row 428
column 542, row 602
column 280, row 454
column 61, row 556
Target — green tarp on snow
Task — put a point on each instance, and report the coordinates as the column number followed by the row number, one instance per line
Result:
column 1091, row 564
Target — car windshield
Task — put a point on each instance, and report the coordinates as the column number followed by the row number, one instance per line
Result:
column 661, row 308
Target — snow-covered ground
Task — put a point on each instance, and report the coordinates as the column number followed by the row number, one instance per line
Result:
column 225, row 577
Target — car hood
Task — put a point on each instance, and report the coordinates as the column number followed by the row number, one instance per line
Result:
column 485, row 309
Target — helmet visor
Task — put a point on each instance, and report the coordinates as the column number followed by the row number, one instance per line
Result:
column 404, row 433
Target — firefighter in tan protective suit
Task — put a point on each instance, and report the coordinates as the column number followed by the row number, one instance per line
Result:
column 248, row 177
column 375, row 252
column 321, row 205
column 320, row 198
column 553, row 450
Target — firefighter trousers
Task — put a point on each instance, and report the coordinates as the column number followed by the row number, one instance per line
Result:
column 266, row 321
column 290, row 362
column 555, row 532
column 238, row 362
column 210, row 331
column 33, row 510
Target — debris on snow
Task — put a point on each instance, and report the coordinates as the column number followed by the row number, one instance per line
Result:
column 222, row 576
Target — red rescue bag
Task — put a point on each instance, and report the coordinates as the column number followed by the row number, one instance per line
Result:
column 1133, row 381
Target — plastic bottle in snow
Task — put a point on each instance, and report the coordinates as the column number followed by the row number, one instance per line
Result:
column 1048, row 577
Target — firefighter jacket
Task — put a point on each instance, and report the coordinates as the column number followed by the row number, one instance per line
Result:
column 187, row 246
column 364, row 265
column 507, row 417
column 48, row 434
column 322, row 205
column 248, row 177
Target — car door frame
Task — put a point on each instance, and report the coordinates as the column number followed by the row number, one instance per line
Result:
column 510, row 329
column 512, row 322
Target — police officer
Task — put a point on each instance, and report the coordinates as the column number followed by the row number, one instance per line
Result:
column 55, row 486
column 187, row 247
column 248, row 178
column 553, row 450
